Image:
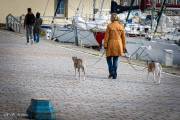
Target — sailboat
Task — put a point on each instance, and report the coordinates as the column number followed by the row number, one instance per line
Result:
column 98, row 24
column 91, row 31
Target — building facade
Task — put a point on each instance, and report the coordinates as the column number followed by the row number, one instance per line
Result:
column 66, row 10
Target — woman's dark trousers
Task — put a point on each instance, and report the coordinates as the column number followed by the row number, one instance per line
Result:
column 112, row 62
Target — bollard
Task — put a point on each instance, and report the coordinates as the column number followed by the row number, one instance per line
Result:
column 168, row 60
column 48, row 34
column 41, row 109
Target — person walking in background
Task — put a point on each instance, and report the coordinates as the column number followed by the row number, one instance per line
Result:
column 37, row 27
column 28, row 24
column 114, row 44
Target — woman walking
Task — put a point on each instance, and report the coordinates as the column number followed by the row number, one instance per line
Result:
column 37, row 27
column 114, row 44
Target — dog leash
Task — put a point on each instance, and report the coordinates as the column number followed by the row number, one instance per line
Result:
column 128, row 57
column 98, row 60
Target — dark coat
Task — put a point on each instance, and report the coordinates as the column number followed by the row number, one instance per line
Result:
column 37, row 25
column 29, row 19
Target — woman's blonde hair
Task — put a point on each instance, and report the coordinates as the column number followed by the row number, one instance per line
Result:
column 114, row 17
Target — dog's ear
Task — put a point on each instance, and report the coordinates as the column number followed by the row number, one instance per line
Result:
column 74, row 58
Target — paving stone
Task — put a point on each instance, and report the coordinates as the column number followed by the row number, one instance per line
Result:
column 46, row 70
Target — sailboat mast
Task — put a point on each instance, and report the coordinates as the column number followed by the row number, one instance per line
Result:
column 78, row 10
column 159, row 14
column 101, row 6
column 132, row 2
column 94, row 9
column 152, row 12
column 58, row 4
column 46, row 8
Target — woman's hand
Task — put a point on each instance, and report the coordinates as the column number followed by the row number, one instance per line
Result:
column 125, row 50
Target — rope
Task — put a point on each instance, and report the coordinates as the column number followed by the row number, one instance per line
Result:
column 45, row 8
column 98, row 60
column 129, row 62
column 83, row 36
column 130, row 56
column 63, row 34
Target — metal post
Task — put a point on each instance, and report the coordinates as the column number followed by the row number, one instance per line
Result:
column 19, row 27
column 7, row 24
column 16, row 27
column 76, row 36
column 75, row 33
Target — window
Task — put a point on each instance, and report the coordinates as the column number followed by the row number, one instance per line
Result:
column 169, row 1
column 62, row 8
column 178, row 2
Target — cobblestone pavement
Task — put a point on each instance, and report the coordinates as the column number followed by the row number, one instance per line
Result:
column 45, row 70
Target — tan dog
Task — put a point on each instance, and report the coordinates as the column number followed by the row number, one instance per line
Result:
column 79, row 64
column 156, row 70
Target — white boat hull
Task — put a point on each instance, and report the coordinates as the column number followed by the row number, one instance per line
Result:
column 64, row 34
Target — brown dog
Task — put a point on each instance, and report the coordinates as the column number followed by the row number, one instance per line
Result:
column 79, row 64
column 156, row 69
